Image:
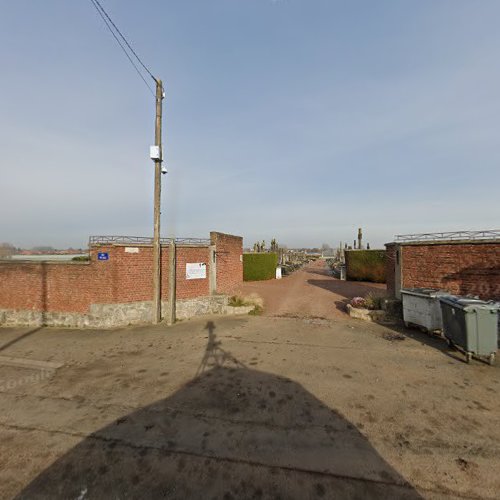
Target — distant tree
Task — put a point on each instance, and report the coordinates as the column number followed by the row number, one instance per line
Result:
column 7, row 250
column 326, row 249
column 44, row 249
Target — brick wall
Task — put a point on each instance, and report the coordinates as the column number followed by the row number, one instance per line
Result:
column 125, row 278
column 46, row 287
column 73, row 287
column 471, row 268
column 229, row 256
column 189, row 289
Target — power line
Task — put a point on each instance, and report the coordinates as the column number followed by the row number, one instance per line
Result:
column 105, row 18
column 125, row 40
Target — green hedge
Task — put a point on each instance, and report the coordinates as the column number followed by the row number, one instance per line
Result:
column 81, row 258
column 259, row 266
column 365, row 265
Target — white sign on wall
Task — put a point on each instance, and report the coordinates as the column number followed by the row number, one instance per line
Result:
column 131, row 250
column 196, row 271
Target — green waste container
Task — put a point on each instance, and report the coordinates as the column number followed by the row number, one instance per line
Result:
column 471, row 325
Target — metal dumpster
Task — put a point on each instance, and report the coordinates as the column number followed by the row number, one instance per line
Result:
column 471, row 325
column 421, row 307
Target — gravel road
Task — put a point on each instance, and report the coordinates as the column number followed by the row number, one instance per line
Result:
column 309, row 292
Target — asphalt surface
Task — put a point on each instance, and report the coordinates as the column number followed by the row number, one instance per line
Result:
column 302, row 403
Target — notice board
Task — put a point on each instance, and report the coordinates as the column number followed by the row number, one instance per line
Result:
column 196, row 271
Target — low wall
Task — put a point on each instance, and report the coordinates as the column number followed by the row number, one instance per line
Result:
column 462, row 268
column 75, row 286
column 118, row 290
column 113, row 315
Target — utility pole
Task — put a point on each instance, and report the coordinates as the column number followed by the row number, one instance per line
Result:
column 157, row 200
column 156, row 152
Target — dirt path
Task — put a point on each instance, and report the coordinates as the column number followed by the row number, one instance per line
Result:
column 308, row 292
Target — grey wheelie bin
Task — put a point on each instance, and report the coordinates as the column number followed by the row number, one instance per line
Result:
column 471, row 325
column 421, row 307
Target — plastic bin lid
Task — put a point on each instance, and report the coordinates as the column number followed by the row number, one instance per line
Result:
column 424, row 292
column 469, row 304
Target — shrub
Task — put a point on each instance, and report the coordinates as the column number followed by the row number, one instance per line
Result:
column 235, row 301
column 365, row 265
column 373, row 301
column 256, row 302
column 256, row 311
column 259, row 266
column 81, row 258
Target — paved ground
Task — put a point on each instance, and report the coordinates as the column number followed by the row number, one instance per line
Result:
column 249, row 407
column 308, row 292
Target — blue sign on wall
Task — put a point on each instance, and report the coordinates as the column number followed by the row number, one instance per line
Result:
column 103, row 256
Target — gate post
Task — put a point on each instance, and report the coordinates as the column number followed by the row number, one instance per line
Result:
column 171, row 282
column 212, row 277
column 398, row 271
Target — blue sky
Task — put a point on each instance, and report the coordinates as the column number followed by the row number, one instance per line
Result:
column 295, row 119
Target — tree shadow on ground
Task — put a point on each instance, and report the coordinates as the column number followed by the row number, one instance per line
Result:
column 348, row 290
column 229, row 433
